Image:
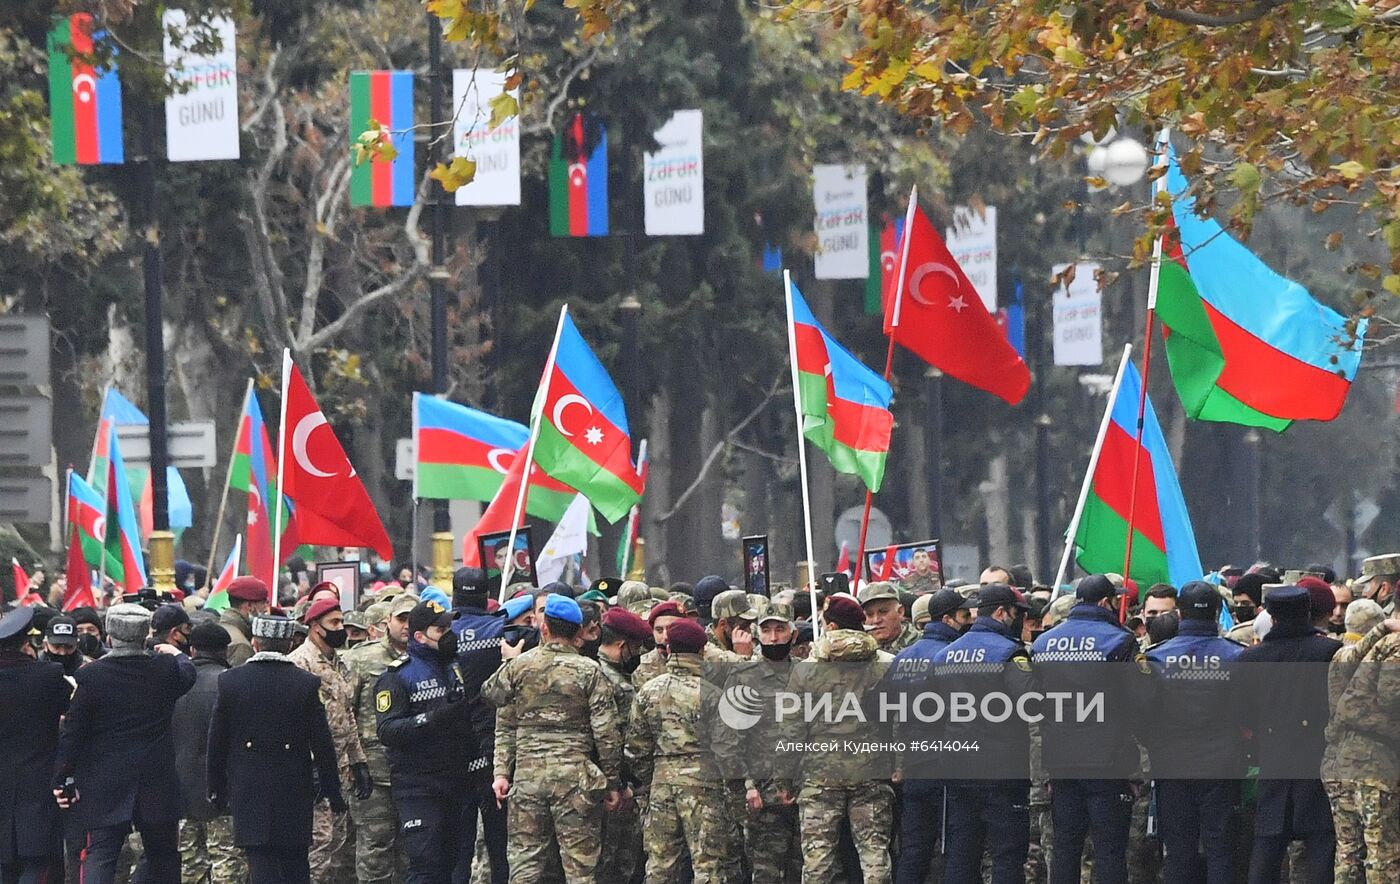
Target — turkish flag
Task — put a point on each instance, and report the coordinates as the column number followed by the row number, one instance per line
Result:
column 942, row 319
column 332, row 506
column 77, row 593
column 500, row 512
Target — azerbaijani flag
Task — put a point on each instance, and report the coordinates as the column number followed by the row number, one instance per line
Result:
column 87, row 513
column 578, row 179
column 117, row 410
column 85, row 104
column 583, row 437
column 461, row 453
column 1164, row 546
column 385, row 97
column 123, row 537
column 1244, row 344
column 255, row 471
column 884, row 255
column 218, row 593
column 845, row 406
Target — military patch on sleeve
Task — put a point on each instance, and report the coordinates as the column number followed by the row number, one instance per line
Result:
column 1022, row 663
column 1143, row 666
column 382, row 701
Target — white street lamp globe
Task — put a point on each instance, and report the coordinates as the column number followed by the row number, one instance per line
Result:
column 1088, row 139
column 1125, row 162
column 1097, row 164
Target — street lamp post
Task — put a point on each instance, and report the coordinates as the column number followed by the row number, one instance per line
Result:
column 437, row 288
column 162, row 540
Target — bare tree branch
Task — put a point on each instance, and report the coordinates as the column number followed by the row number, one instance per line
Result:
column 561, row 94
column 257, row 232
column 324, row 214
column 1249, row 13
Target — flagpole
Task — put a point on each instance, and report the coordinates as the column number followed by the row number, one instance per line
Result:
column 801, row 455
column 276, row 505
column 535, row 422
column 1093, row 465
column 1154, row 280
column 633, row 514
column 228, row 480
column 889, row 361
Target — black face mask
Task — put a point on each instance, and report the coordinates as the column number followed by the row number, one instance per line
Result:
column 70, row 662
column 1336, row 628
column 1243, row 613
column 1036, row 633
column 334, row 638
column 514, row 634
column 446, row 646
column 590, row 649
column 964, row 627
column 630, row 665
column 776, row 653
column 89, row 645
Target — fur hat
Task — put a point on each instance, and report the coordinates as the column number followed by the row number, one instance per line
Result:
column 128, row 624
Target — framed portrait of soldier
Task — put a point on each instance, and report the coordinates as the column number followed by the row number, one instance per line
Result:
column 345, row 577
column 916, row 567
column 495, row 550
column 755, row 548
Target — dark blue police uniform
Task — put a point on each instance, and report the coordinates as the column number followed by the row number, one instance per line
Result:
column 479, row 656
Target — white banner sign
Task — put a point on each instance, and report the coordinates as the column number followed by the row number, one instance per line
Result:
column 1078, row 316
column 673, row 185
column 496, row 152
column 973, row 241
column 843, row 231
column 201, row 116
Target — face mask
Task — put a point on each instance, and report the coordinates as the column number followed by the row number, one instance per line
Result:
column 381, row 569
column 630, row 665
column 590, row 649
column 964, row 627
column 447, row 646
column 1337, row 628
column 1243, row 612
column 335, row 638
column 1036, row 633
column 88, row 644
column 776, row 653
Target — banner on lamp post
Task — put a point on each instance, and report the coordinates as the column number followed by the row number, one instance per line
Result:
column 842, row 225
column 972, row 240
column 673, row 183
column 496, row 152
column 201, row 115
column 1078, row 315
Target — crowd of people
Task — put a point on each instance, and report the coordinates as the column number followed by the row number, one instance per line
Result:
column 572, row 734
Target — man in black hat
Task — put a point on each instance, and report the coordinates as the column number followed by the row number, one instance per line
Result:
column 171, row 625
column 269, row 746
column 61, row 644
column 33, row 695
column 1286, row 708
column 427, row 728
column 116, row 759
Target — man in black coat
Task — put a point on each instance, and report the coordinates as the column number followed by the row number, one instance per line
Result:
column 1286, row 708
column 268, row 744
column 116, row 759
column 206, row 834
column 34, row 696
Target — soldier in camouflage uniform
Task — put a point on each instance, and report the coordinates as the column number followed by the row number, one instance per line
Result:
column 884, row 617
column 1360, row 767
column 730, row 637
column 653, row 662
column 670, row 757
column 1379, row 577
column 558, row 749
column 377, row 852
column 924, row 578
column 330, row 850
column 620, row 648
column 635, row 596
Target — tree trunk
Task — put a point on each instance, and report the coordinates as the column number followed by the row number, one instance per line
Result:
column 658, row 498
column 996, row 499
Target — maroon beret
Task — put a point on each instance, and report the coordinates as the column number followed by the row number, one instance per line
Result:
column 1321, row 599
column 685, row 636
column 627, row 624
column 320, row 608
column 665, row 609
column 248, row 589
column 844, row 612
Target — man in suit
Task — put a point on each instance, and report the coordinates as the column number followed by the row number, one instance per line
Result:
column 269, row 745
column 116, row 759
column 34, row 696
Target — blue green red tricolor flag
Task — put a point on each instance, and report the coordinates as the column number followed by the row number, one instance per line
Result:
column 1164, row 544
column 845, row 406
column 123, row 534
column 385, row 97
column 578, row 179
column 254, row 470
column 1244, row 344
column 85, row 103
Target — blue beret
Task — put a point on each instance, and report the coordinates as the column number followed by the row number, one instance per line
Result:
column 562, row 607
column 433, row 594
column 517, row 606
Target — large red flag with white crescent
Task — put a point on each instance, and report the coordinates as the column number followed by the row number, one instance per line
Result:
column 332, row 506
column 942, row 319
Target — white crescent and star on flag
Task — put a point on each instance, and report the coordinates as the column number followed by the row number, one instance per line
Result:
column 593, row 435
column 301, row 435
column 84, row 87
column 956, row 302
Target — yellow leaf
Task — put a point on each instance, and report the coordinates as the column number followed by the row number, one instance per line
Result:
column 459, row 173
column 929, row 70
column 503, row 107
column 1351, row 170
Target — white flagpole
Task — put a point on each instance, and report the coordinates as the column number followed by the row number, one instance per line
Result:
column 97, row 436
column 903, row 261
column 414, row 495
column 1154, row 278
column 228, row 479
column 276, row 505
column 1093, row 465
column 633, row 514
column 801, row 455
column 535, row 422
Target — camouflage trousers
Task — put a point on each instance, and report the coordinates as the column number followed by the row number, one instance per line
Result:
column 869, row 807
column 681, row 818
column 542, row 817
column 379, row 857
column 207, row 854
column 331, row 852
column 1364, row 814
column 1038, row 850
column 621, row 851
column 773, row 844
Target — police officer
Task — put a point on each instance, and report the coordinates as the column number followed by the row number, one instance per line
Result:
column 33, row 695
column 1089, row 762
column 116, row 758
column 267, row 736
column 921, row 795
column 1194, row 742
column 987, row 802
column 61, row 644
column 425, row 723
column 479, row 655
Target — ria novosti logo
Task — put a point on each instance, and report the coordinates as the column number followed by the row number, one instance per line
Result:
column 740, row 707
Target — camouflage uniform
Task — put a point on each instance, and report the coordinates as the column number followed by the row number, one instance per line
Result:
column 330, row 849
column 837, row 786
column 207, row 854
column 907, row 636
column 920, row 584
column 622, row 829
column 670, row 755
column 1360, row 767
column 651, row 665
column 239, row 628
column 1042, row 831
column 559, row 741
column 377, row 853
